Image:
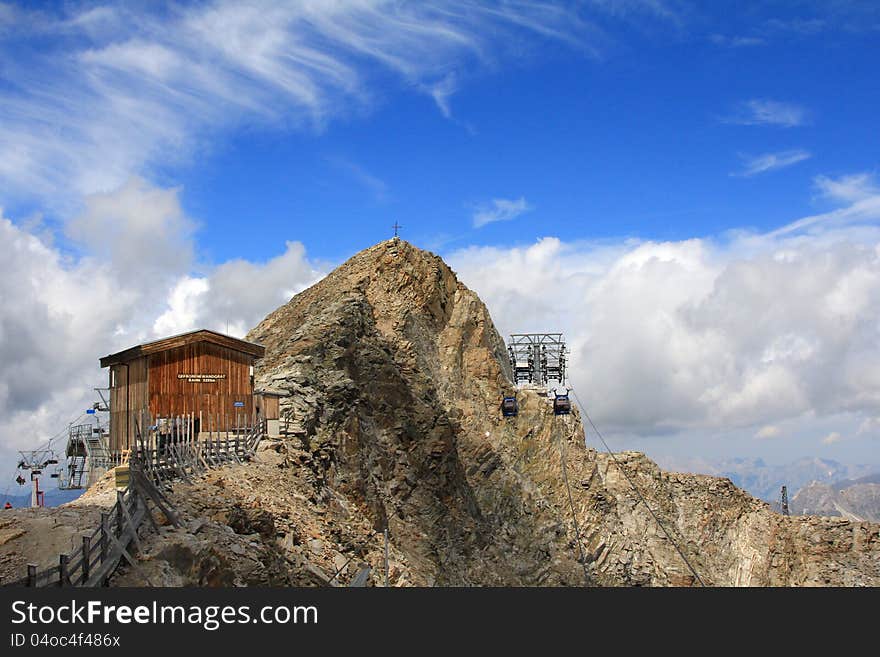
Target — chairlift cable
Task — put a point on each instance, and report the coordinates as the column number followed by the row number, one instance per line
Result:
column 638, row 492
column 577, row 529
column 48, row 445
column 58, row 434
column 360, row 546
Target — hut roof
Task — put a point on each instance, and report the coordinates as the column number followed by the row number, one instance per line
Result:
column 175, row 341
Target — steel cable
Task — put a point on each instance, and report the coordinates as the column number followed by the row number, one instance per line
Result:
column 638, row 492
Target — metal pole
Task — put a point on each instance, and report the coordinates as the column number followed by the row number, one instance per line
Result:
column 386, row 557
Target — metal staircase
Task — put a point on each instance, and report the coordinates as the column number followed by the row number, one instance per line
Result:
column 86, row 452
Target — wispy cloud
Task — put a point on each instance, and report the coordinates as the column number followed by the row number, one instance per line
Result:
column 858, row 195
column 848, row 189
column 754, row 165
column 799, row 26
column 92, row 96
column 736, row 41
column 374, row 185
column 441, row 91
column 869, row 427
column 791, row 22
column 831, row 438
column 768, row 431
column 670, row 11
column 500, row 209
column 768, row 112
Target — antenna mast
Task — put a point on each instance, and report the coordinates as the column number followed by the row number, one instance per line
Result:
column 784, row 503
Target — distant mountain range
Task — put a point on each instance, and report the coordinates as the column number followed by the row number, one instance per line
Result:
column 54, row 497
column 765, row 481
column 853, row 499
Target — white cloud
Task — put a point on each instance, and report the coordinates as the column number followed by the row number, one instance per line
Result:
column 139, row 230
column 56, row 318
column 769, row 112
column 768, row 431
column 500, row 209
column 62, row 312
column 235, row 296
column 702, row 334
column 668, row 10
column 831, row 438
column 754, row 165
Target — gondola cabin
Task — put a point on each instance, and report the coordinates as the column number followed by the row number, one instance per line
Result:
column 561, row 405
column 203, row 375
column 509, row 407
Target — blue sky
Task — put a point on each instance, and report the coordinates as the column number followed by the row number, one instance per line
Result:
column 641, row 144
column 636, row 127
column 173, row 165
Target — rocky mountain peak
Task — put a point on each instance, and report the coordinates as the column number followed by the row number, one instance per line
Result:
column 395, row 370
column 401, row 299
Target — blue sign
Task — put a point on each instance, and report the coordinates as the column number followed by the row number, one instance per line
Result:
column 91, row 411
column 238, row 403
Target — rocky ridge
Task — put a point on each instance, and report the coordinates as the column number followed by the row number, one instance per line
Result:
column 394, row 372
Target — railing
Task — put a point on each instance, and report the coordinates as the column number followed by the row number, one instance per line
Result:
column 172, row 448
column 101, row 551
column 158, row 458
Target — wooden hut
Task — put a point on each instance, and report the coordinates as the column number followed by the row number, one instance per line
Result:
column 202, row 374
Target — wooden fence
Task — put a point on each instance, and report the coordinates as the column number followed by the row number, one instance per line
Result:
column 101, row 551
column 164, row 451
column 172, row 448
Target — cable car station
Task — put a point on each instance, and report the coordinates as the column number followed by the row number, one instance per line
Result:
column 536, row 359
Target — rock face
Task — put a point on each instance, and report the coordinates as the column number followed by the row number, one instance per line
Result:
column 394, row 372
column 731, row 538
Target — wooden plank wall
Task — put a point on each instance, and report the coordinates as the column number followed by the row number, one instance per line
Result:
column 171, row 395
column 131, row 387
